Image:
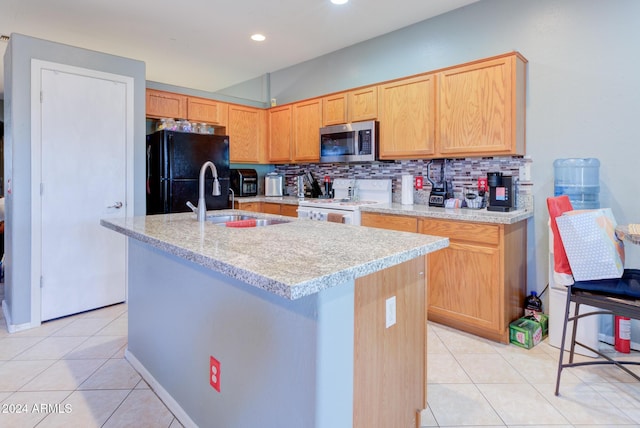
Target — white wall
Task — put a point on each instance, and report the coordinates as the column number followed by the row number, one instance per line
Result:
column 583, row 87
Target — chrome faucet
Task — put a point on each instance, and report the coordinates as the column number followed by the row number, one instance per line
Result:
column 201, row 209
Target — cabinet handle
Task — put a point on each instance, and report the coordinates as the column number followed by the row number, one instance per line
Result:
column 117, row 205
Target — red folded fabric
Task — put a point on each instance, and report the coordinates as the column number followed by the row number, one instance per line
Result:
column 241, row 223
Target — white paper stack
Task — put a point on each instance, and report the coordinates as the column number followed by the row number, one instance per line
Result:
column 407, row 190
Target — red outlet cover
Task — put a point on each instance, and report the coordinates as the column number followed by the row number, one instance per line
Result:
column 214, row 373
column 419, row 183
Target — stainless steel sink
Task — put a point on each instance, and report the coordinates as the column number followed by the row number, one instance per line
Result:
column 269, row 221
column 222, row 220
column 225, row 218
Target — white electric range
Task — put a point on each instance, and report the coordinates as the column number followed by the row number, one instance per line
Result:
column 349, row 196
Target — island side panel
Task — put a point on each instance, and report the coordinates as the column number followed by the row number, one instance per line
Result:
column 390, row 363
column 282, row 362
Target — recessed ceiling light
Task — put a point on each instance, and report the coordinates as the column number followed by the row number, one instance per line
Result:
column 258, row 38
column 339, row 1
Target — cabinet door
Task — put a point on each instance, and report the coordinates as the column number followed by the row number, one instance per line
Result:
column 334, row 109
column 363, row 104
column 279, row 145
column 161, row 104
column 247, row 134
column 481, row 108
column 209, row 111
column 407, row 118
column 307, row 120
column 465, row 286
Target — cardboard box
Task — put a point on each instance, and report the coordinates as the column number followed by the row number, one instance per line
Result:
column 525, row 332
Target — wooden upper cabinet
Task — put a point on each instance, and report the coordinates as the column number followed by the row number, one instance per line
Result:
column 482, row 108
column 279, row 144
column 334, row 109
column 353, row 106
column 161, row 104
column 363, row 104
column 406, row 110
column 247, row 130
column 209, row 111
column 307, row 120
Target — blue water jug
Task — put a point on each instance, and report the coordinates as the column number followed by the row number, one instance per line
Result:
column 578, row 178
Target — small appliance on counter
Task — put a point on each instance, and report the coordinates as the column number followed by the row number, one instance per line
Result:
column 244, row 182
column 441, row 191
column 328, row 188
column 273, row 184
column 503, row 192
column 314, row 190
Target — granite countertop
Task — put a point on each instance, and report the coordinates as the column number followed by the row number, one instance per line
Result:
column 292, row 260
column 462, row 214
column 417, row 210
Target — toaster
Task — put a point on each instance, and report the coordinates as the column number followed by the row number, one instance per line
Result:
column 273, row 184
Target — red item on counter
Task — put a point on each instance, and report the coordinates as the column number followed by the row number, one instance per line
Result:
column 327, row 179
column 622, row 334
column 241, row 223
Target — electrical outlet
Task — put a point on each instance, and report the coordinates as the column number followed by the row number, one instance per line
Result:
column 214, row 373
column 391, row 311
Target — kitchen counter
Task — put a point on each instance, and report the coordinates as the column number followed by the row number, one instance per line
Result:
column 462, row 214
column 417, row 210
column 276, row 325
column 291, row 260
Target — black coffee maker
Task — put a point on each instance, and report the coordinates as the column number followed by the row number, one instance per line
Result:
column 503, row 192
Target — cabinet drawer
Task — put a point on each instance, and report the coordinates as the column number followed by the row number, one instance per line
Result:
column 289, row 210
column 270, row 208
column 249, row 206
column 462, row 231
column 392, row 222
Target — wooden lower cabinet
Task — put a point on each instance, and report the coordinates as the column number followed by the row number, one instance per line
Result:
column 390, row 364
column 478, row 283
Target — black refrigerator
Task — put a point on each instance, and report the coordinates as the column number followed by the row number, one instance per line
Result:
column 174, row 160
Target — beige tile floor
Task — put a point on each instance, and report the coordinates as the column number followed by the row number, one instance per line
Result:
column 71, row 372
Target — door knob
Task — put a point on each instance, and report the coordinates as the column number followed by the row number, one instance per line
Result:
column 116, row 205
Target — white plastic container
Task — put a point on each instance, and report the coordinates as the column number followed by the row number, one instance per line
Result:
column 407, row 190
column 578, row 178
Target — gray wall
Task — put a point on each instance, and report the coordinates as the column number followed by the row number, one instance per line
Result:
column 583, row 87
column 20, row 51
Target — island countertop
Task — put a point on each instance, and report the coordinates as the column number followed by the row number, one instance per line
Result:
column 292, row 260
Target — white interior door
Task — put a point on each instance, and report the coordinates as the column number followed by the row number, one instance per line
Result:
column 83, row 159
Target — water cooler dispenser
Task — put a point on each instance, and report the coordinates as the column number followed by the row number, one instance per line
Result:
column 578, row 178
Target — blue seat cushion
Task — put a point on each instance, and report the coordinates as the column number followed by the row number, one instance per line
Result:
column 628, row 286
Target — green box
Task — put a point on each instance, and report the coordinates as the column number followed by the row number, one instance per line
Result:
column 525, row 332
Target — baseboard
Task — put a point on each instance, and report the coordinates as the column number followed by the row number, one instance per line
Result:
column 166, row 398
column 14, row 328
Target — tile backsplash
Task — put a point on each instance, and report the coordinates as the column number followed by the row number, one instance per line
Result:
column 461, row 173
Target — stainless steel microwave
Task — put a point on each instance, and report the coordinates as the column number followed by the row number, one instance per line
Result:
column 352, row 142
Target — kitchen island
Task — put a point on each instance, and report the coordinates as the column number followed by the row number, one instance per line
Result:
column 299, row 324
